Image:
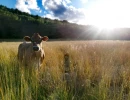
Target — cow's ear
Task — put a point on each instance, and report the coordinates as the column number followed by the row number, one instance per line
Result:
column 45, row 38
column 27, row 38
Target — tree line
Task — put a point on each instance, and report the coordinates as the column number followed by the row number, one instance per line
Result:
column 15, row 24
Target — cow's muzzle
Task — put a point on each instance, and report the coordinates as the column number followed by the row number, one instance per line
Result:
column 35, row 48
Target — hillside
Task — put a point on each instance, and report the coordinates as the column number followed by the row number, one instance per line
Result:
column 16, row 24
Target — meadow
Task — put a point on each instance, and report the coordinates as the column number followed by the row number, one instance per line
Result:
column 72, row 70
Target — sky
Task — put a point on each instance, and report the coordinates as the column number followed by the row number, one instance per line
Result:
column 101, row 13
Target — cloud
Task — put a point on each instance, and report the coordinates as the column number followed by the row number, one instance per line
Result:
column 61, row 9
column 27, row 5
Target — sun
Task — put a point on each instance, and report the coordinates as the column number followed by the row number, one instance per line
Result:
column 109, row 14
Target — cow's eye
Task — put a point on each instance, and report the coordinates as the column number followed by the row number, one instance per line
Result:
column 32, row 41
column 39, row 41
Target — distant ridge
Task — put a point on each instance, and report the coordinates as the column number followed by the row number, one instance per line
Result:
column 15, row 24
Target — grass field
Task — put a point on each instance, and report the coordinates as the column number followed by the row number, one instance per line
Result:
column 95, row 70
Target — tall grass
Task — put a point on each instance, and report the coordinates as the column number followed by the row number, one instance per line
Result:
column 72, row 70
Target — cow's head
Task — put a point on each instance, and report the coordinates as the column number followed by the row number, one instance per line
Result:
column 36, row 40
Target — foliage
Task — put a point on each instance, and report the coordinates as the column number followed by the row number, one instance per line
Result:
column 17, row 24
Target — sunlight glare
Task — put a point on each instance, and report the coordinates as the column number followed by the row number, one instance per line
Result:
column 109, row 14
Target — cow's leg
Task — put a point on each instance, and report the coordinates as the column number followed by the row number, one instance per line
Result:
column 41, row 59
column 38, row 63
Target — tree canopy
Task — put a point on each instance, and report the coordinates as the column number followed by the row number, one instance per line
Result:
column 16, row 24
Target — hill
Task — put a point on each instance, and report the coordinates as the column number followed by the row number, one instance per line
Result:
column 17, row 24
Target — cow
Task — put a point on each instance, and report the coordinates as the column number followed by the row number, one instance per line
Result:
column 32, row 54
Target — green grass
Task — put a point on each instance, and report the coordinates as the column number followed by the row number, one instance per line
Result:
column 96, row 70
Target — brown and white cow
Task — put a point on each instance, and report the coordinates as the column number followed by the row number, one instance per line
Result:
column 32, row 54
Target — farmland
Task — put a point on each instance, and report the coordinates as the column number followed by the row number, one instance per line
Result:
column 95, row 70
